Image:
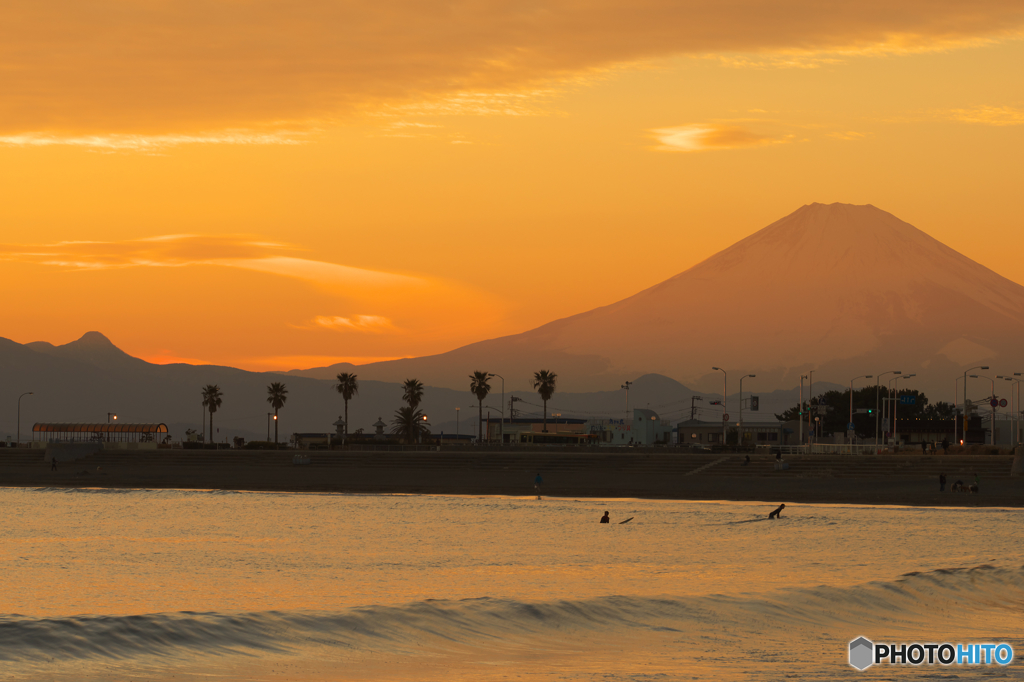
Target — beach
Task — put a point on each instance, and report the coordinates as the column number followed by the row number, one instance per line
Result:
column 888, row 479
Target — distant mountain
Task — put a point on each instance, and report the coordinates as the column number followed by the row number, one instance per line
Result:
column 84, row 380
column 844, row 290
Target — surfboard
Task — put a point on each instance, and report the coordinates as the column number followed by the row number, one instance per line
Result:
column 627, row 520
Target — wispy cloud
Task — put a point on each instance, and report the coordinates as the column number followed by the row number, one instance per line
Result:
column 123, row 67
column 849, row 135
column 149, row 143
column 184, row 250
column 374, row 324
column 993, row 116
column 709, row 136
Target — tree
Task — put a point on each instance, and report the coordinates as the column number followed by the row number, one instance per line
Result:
column 413, row 392
column 544, row 384
column 347, row 386
column 211, row 401
column 277, row 396
column 480, row 387
column 833, row 409
column 409, row 423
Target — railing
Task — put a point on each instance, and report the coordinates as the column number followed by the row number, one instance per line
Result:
column 830, row 449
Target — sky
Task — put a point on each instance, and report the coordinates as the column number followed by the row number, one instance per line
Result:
column 274, row 186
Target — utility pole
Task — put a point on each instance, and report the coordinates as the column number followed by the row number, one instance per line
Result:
column 693, row 406
column 626, row 386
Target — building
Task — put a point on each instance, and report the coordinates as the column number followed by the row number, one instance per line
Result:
column 527, row 431
column 697, row 432
column 645, row 428
column 133, row 436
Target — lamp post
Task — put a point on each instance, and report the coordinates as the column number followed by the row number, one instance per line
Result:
column 876, row 400
column 501, row 427
column 749, row 376
column 19, row 415
column 992, row 437
column 269, row 415
column 626, row 386
column 849, row 424
column 800, row 410
column 810, row 397
column 965, row 398
column 725, row 400
column 457, row 423
column 956, row 395
column 895, row 401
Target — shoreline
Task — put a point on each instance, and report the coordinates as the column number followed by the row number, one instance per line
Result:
column 904, row 480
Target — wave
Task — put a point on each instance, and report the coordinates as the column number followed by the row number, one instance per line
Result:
column 912, row 599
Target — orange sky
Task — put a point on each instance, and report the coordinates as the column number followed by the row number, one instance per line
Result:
column 253, row 184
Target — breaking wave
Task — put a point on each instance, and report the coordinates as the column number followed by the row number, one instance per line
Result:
column 914, row 598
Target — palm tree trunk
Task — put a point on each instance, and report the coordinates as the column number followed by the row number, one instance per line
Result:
column 344, row 429
column 275, row 427
column 545, row 416
column 211, row 426
column 480, row 424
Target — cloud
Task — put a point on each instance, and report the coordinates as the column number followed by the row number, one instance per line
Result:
column 374, row 324
column 122, row 67
column 993, row 116
column 848, row 135
column 701, row 137
column 187, row 250
column 147, row 143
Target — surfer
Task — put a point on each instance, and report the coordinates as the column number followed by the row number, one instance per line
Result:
column 775, row 514
column 606, row 518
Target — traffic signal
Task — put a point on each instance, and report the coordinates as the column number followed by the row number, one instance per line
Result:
column 754, row 403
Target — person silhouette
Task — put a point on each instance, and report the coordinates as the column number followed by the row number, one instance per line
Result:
column 606, row 518
column 777, row 513
column 536, row 485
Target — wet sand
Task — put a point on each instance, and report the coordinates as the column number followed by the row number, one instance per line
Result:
column 884, row 480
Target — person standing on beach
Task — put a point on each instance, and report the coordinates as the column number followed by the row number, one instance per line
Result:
column 776, row 514
column 536, row 485
column 53, row 464
column 942, row 482
column 606, row 518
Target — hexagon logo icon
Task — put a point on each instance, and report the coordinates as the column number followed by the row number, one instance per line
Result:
column 861, row 653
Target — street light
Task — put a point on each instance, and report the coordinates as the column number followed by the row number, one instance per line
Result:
column 849, row 424
column 965, row 399
column 19, row 415
column 810, row 396
column 501, row 427
column 800, row 410
column 626, row 386
column 956, row 394
column 876, row 401
column 749, row 376
column 992, row 400
column 457, row 423
column 725, row 401
column 895, row 401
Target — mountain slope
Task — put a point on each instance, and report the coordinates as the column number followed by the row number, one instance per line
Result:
column 845, row 290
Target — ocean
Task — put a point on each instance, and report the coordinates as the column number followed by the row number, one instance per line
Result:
column 200, row 585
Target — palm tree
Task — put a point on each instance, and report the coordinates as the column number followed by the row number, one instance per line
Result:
column 211, row 401
column 413, row 392
column 410, row 424
column 544, row 383
column 277, row 396
column 347, row 386
column 480, row 387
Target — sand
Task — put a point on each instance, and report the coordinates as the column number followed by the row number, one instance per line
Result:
column 882, row 480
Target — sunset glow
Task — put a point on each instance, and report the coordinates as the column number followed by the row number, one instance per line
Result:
column 274, row 187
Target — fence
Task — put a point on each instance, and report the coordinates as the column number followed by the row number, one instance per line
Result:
column 829, row 449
